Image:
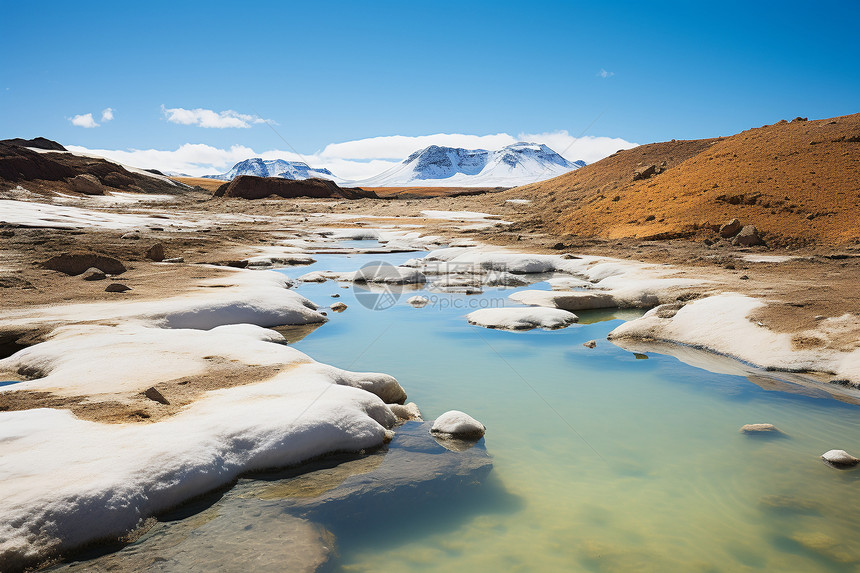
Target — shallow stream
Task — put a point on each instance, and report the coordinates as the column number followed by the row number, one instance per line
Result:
column 604, row 460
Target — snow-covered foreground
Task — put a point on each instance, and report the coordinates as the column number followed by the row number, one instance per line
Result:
column 65, row 482
column 115, row 475
column 36, row 214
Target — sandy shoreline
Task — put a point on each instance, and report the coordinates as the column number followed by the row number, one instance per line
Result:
column 769, row 312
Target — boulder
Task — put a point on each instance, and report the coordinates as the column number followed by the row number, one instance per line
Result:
column 94, row 274
column 117, row 287
column 338, row 307
column 77, row 263
column 748, row 237
column 153, row 394
column 730, row 229
column 759, row 429
column 405, row 412
column 840, row 459
column 155, row 252
column 590, row 344
column 644, row 172
column 418, row 301
column 87, row 184
column 459, row 425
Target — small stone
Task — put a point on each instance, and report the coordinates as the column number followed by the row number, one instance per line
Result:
column 568, row 256
column 730, row 229
column 840, row 458
column 748, row 237
column 418, row 301
column 336, row 295
column 155, row 252
column 590, row 344
column 644, row 172
column 456, row 424
column 153, row 394
column 338, row 307
column 94, row 274
column 759, row 429
column 117, row 287
column 133, row 236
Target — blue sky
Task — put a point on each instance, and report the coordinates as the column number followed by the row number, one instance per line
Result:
column 332, row 72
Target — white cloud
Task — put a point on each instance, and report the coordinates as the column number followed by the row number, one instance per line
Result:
column 84, row 120
column 208, row 118
column 588, row 148
column 107, row 114
column 398, row 147
column 352, row 160
column 604, row 74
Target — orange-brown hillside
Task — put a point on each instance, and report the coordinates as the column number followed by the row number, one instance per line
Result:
column 798, row 182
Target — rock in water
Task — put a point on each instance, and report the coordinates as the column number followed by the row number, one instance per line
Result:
column 338, row 307
column 117, row 287
column 418, row 301
column 840, row 459
column 456, row 424
column 759, row 429
column 155, row 252
column 590, row 344
column 408, row 411
column 730, row 229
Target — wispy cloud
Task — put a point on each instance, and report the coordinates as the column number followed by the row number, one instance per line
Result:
column 604, row 74
column 107, row 114
column 84, row 120
column 209, row 118
column 357, row 159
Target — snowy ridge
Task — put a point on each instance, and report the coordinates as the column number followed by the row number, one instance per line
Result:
column 275, row 168
column 435, row 166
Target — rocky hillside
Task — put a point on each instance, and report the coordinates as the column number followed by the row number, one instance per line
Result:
column 250, row 187
column 797, row 183
column 63, row 172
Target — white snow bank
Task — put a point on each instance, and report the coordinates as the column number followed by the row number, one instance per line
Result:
column 388, row 274
column 518, row 201
column 115, row 475
column 458, row 215
column 35, row 214
column 720, row 324
column 521, row 318
column 242, row 296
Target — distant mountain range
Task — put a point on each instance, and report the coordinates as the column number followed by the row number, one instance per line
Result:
column 434, row 166
column 275, row 168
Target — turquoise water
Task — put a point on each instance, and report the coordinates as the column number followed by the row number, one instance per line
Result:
column 608, row 462
column 604, row 460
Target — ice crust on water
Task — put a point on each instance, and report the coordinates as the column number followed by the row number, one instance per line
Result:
column 517, row 318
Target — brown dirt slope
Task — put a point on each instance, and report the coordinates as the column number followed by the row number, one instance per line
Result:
column 425, row 192
column 68, row 173
column 798, row 182
column 210, row 185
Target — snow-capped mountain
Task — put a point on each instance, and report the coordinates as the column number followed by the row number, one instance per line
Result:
column 275, row 168
column 435, row 166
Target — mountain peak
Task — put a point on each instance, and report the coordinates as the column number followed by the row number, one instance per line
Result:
column 274, row 168
column 435, row 165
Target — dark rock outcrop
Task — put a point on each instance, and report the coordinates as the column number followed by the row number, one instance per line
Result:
column 730, row 229
column 250, row 187
column 77, row 263
column 748, row 237
column 37, row 142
